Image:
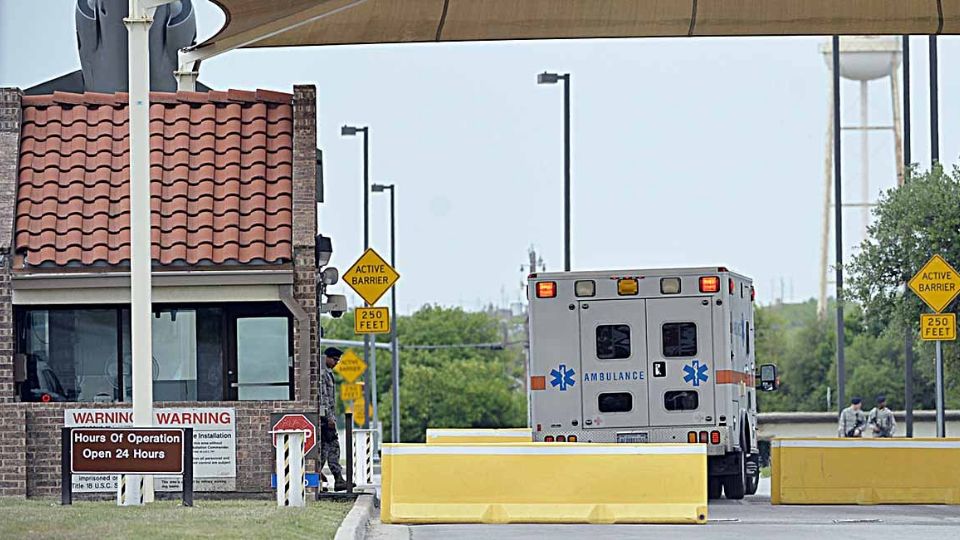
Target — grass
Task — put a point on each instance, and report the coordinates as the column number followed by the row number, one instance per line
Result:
column 167, row 519
column 765, row 472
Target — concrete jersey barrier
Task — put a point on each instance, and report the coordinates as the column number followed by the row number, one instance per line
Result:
column 544, row 483
column 865, row 471
column 511, row 435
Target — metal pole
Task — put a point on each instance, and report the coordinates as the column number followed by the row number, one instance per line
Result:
column 66, row 477
column 941, row 425
column 369, row 391
column 838, row 223
column 394, row 344
column 566, row 172
column 187, row 487
column 934, row 103
column 138, row 22
column 907, row 158
column 348, row 448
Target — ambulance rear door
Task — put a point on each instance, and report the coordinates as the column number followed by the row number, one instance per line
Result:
column 613, row 345
column 680, row 350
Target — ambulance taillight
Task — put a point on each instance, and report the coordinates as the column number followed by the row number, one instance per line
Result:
column 547, row 289
column 709, row 284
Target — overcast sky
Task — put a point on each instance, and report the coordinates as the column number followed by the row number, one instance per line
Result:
column 685, row 151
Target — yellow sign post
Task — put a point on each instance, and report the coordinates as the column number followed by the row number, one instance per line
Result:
column 371, row 276
column 351, row 366
column 937, row 283
column 938, row 327
column 351, row 391
column 371, row 320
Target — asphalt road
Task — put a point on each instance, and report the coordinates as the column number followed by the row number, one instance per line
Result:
column 753, row 517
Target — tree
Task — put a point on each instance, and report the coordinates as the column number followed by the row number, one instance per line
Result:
column 912, row 223
column 455, row 385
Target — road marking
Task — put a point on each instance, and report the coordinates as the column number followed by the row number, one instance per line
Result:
column 542, row 449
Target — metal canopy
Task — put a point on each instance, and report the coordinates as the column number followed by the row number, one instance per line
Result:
column 281, row 23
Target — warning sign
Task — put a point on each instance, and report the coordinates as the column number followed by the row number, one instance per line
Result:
column 371, row 276
column 939, row 327
column 351, row 366
column 371, row 320
column 359, row 410
column 351, row 391
column 937, row 283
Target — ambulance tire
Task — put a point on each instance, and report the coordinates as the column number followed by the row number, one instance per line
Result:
column 753, row 480
column 735, row 485
column 714, row 487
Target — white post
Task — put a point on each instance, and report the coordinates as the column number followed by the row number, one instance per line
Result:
column 291, row 468
column 138, row 22
column 363, row 457
column 130, row 490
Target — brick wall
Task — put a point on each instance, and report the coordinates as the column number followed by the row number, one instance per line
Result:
column 305, row 226
column 30, row 443
column 9, row 162
column 13, row 452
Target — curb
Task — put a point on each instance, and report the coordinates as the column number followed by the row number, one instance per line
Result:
column 354, row 526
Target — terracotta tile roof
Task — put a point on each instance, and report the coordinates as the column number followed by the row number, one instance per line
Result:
column 221, row 166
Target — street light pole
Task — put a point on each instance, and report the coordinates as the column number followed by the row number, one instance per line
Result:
column 138, row 22
column 370, row 378
column 394, row 345
column 554, row 78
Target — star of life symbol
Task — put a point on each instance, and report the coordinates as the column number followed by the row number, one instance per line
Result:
column 562, row 377
column 695, row 373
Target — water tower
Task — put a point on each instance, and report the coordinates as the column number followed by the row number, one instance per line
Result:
column 863, row 59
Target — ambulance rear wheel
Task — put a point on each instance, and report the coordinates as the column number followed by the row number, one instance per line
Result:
column 735, row 485
column 714, row 487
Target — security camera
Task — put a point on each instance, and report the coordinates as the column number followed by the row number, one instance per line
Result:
column 335, row 305
column 330, row 276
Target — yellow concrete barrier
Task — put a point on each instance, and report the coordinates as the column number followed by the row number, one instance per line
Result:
column 511, row 435
column 544, row 483
column 865, row 471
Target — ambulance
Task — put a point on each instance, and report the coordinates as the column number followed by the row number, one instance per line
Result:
column 650, row 356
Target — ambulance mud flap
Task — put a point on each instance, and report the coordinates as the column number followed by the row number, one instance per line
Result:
column 512, row 435
column 865, row 471
column 544, row 483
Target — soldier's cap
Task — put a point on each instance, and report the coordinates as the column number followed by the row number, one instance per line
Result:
column 333, row 352
column 881, row 399
column 856, row 401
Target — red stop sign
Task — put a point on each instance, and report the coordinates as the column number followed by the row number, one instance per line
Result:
column 298, row 422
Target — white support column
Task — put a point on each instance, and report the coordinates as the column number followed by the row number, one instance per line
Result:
column 138, row 22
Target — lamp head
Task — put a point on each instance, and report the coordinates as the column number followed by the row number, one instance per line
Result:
column 380, row 188
column 349, row 131
column 548, row 78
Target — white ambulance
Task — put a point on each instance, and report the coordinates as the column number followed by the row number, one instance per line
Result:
column 659, row 356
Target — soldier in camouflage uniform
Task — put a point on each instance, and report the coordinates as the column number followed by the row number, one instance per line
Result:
column 852, row 420
column 329, row 439
column 881, row 419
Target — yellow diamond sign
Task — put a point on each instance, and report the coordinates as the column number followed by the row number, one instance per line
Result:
column 371, row 276
column 937, row 283
column 351, row 366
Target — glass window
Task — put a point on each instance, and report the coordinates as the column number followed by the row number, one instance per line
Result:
column 264, row 361
column 615, row 402
column 187, row 355
column 684, row 400
column 613, row 341
column 71, row 355
column 679, row 339
column 214, row 353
